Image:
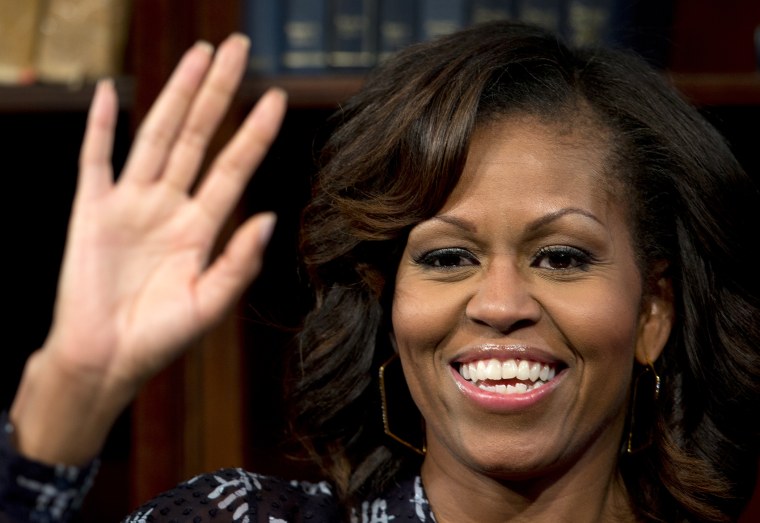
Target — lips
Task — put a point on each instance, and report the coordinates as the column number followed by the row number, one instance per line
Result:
column 507, row 376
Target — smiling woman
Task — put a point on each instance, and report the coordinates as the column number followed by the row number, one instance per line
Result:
column 528, row 264
column 551, row 241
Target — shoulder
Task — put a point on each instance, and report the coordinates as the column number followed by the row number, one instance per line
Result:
column 238, row 495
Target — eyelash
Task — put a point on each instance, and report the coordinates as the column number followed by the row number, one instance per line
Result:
column 582, row 259
column 432, row 259
column 578, row 258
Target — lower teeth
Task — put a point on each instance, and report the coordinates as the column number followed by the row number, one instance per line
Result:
column 518, row 388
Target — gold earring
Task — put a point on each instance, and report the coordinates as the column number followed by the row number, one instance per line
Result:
column 384, row 406
column 629, row 449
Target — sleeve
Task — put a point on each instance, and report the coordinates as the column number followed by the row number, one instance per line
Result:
column 35, row 492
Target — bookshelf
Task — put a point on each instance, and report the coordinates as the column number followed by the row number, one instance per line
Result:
column 56, row 98
column 719, row 89
column 173, row 429
column 327, row 91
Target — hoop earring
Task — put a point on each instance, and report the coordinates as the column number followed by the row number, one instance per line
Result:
column 384, row 406
column 629, row 448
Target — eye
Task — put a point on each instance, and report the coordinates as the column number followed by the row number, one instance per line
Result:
column 561, row 257
column 448, row 258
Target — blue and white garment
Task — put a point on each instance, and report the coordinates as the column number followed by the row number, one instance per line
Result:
column 239, row 496
column 32, row 492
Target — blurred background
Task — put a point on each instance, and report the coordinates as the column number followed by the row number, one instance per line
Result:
column 220, row 404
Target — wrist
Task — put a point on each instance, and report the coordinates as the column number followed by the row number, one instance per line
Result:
column 63, row 415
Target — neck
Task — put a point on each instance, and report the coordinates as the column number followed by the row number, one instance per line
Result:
column 466, row 496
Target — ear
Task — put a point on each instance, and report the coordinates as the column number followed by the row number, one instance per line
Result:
column 656, row 318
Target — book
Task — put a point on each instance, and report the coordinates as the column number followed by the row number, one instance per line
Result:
column 441, row 17
column 18, row 37
column 305, row 38
column 489, row 10
column 590, row 22
column 397, row 26
column 82, row 40
column 352, row 34
column 263, row 24
column 548, row 14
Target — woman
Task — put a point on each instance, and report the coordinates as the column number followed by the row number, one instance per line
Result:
column 549, row 239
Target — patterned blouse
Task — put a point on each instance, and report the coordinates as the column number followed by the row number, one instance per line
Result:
column 33, row 492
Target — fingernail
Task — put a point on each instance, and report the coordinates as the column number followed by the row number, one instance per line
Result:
column 242, row 38
column 267, row 223
column 204, row 45
column 106, row 82
column 279, row 91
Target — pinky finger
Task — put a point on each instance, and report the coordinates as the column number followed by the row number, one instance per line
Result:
column 95, row 171
column 235, row 268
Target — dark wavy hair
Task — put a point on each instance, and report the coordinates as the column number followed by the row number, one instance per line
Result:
column 397, row 151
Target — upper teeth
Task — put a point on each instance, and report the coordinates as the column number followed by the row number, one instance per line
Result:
column 494, row 369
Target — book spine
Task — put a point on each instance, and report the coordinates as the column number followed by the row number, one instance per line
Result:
column 19, row 29
column 263, row 23
column 489, row 10
column 305, row 39
column 549, row 14
column 397, row 21
column 352, row 34
column 81, row 40
column 590, row 22
column 441, row 17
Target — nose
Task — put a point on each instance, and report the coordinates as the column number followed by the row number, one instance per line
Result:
column 503, row 297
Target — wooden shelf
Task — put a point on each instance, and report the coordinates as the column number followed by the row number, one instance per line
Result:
column 724, row 89
column 306, row 91
column 330, row 90
column 40, row 98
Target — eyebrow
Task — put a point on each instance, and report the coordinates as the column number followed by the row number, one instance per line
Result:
column 559, row 213
column 531, row 226
column 456, row 222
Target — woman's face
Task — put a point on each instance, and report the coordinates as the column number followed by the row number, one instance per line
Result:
column 518, row 308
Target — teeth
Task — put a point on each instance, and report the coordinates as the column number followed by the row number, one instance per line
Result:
column 509, row 370
column 532, row 373
column 535, row 371
column 523, row 370
column 480, row 371
column 493, row 370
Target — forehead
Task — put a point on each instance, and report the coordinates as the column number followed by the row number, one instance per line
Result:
column 529, row 157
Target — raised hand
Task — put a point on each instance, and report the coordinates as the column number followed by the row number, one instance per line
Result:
column 137, row 282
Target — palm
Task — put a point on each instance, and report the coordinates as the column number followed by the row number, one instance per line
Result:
column 129, row 289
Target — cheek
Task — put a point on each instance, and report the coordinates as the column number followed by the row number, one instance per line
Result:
column 422, row 315
column 602, row 330
column 607, row 321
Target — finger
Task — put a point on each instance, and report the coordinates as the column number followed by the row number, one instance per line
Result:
column 207, row 110
column 223, row 282
column 234, row 166
column 159, row 129
column 95, row 171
